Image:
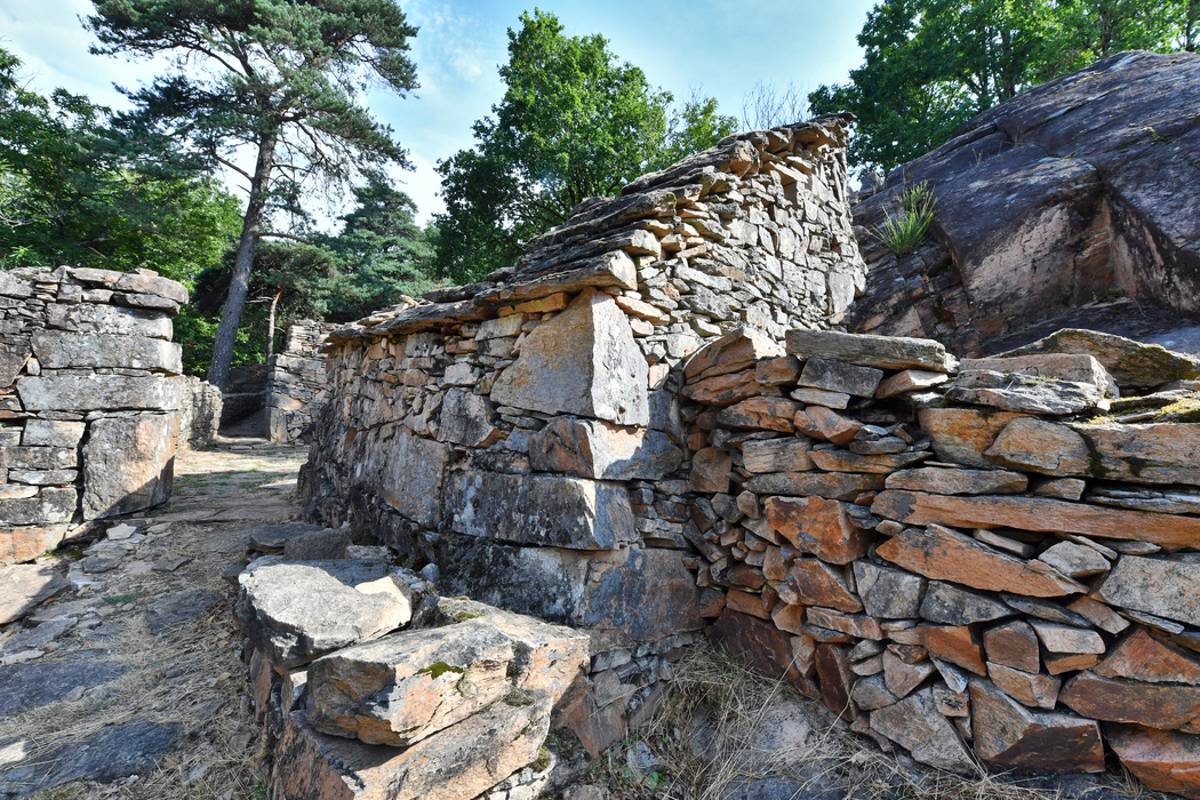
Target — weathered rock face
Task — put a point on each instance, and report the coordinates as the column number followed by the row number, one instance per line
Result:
column 296, row 382
column 1046, row 202
column 90, row 401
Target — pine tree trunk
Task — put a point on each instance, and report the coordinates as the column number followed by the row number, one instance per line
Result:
column 271, row 324
column 239, row 284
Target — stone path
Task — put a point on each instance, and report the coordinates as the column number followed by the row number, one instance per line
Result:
column 131, row 678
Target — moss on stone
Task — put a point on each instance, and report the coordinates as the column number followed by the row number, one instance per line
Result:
column 440, row 668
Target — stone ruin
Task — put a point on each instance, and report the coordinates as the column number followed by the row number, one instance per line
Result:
column 642, row 434
column 89, row 399
column 296, row 382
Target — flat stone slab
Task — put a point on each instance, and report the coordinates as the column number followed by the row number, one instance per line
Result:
column 116, row 752
column 1130, row 363
column 886, row 352
column 173, row 610
column 296, row 611
column 24, row 687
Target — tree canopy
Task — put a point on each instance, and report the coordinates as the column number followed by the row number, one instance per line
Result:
column 279, row 79
column 72, row 192
column 575, row 122
column 930, row 65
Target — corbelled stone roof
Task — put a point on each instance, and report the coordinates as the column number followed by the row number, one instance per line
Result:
column 597, row 243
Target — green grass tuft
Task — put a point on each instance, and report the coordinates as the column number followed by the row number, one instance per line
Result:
column 903, row 232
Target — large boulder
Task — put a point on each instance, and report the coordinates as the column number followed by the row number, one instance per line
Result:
column 1045, row 203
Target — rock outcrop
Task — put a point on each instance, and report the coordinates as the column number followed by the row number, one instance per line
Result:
column 90, row 399
column 1072, row 194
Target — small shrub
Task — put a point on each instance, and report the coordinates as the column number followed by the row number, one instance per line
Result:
column 902, row 232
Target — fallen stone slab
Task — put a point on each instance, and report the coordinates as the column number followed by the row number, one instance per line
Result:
column 298, row 611
column 1009, row 735
column 885, row 352
column 167, row 613
column 1158, row 586
column 24, row 586
column 1132, row 364
column 1037, row 514
column 915, row 724
column 1164, row 761
column 461, row 761
column 944, row 554
column 270, row 539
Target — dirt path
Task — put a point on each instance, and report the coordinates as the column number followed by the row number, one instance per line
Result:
column 129, row 683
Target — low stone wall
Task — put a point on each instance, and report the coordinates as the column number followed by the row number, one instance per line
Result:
column 200, row 414
column 996, row 557
column 371, row 685
column 88, row 400
column 296, row 382
column 523, row 435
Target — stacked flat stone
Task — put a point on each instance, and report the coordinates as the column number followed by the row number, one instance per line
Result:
column 89, row 400
column 523, row 433
column 959, row 558
column 372, row 686
column 296, row 382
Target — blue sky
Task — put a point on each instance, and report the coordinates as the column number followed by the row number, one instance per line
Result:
column 716, row 48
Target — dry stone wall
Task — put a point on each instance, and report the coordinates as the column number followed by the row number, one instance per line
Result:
column 996, row 557
column 296, row 382
column 89, row 400
column 523, row 435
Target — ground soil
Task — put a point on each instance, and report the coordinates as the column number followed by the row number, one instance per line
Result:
column 152, row 681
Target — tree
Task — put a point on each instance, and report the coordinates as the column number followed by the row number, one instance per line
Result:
column 574, row 122
column 930, row 65
column 281, row 79
column 71, row 192
column 767, row 106
column 381, row 252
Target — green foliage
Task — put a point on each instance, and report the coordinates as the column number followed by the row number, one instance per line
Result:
column 574, row 122
column 904, row 231
column 930, row 65
column 72, row 192
column 283, row 79
column 381, row 253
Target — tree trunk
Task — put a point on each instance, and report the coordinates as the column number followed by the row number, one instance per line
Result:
column 239, row 284
column 1191, row 25
column 271, row 323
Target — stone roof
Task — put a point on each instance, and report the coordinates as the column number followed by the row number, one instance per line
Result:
column 597, row 243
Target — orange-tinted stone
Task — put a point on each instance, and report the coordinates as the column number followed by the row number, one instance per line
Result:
column 818, row 526
column 1154, row 705
column 954, row 643
column 819, row 584
column 1145, row 657
column 945, row 554
column 1163, row 760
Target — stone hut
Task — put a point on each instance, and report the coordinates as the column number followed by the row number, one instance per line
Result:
column 523, row 433
column 296, row 381
column 89, row 399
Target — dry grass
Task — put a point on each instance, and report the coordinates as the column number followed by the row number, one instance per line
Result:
column 707, row 737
